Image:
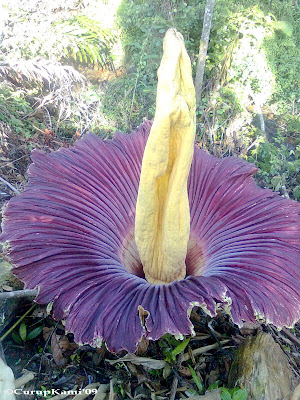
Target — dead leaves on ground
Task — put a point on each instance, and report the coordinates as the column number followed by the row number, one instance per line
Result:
column 61, row 347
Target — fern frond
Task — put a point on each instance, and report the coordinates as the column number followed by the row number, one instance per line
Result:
column 88, row 42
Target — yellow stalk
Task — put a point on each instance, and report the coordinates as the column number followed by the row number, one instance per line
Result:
column 162, row 223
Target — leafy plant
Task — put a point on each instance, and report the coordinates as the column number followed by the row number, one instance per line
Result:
column 171, row 354
column 83, row 40
column 196, row 379
column 229, row 393
column 13, row 110
column 79, row 39
column 144, row 24
column 233, row 394
column 279, row 165
column 29, row 112
column 128, row 100
column 23, row 335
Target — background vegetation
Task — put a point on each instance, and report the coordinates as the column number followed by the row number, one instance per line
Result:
column 91, row 65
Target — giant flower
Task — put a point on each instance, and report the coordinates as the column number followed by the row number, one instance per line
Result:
column 123, row 237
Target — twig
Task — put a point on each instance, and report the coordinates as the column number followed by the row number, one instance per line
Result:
column 24, row 379
column 38, row 129
column 13, row 161
column 252, row 144
column 19, row 293
column 102, row 391
column 176, row 378
column 111, row 389
column 211, row 133
column 87, row 125
column 173, row 388
column 292, row 337
column 86, row 392
column 214, row 333
column 9, row 185
column 204, row 349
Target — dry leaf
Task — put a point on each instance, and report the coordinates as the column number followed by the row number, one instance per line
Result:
column 112, row 393
column 7, row 288
column 59, row 346
column 144, row 361
column 185, row 371
column 142, row 346
column 102, row 392
column 47, row 332
column 249, row 328
column 141, row 377
column 40, row 312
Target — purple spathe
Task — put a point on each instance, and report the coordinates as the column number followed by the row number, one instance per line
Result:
column 69, row 234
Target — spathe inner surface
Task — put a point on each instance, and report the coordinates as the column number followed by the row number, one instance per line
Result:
column 195, row 258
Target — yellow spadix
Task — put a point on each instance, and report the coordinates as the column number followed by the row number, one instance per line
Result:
column 162, row 223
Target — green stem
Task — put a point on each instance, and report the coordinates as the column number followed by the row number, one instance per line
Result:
column 17, row 323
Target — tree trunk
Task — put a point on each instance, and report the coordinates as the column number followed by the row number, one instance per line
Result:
column 263, row 368
column 209, row 10
column 166, row 9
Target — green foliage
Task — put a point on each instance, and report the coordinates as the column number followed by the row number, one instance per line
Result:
column 229, row 394
column 229, row 86
column 180, row 347
column 128, row 100
column 82, row 40
column 45, row 390
column 222, row 108
column 171, row 354
column 279, row 164
column 171, row 347
column 23, row 335
column 78, row 40
column 283, row 54
column 80, row 113
column 76, row 114
column 144, row 24
column 196, row 379
column 17, row 112
column 118, row 389
column 281, row 46
column 233, row 394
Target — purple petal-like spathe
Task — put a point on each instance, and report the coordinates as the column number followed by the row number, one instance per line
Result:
column 251, row 238
column 71, row 234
